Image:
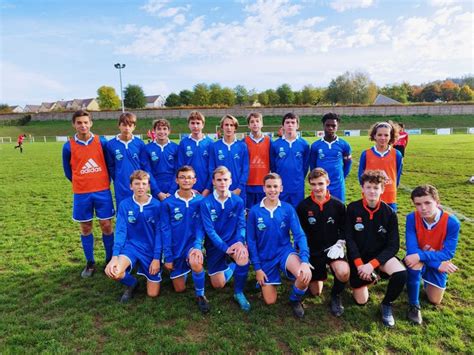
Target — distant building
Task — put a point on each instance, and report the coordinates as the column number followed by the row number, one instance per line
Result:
column 47, row 107
column 16, row 109
column 385, row 100
column 155, row 101
column 31, row 108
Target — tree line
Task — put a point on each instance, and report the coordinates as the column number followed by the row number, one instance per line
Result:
column 348, row 88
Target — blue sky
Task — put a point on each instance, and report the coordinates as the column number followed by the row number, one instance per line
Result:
column 52, row 50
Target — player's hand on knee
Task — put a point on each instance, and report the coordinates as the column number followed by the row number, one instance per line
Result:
column 196, row 257
column 154, row 267
column 111, row 270
column 169, row 266
column 261, row 277
column 448, row 266
column 412, row 260
column 304, row 273
column 365, row 271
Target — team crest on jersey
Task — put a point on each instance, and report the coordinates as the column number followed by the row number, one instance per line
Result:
column 282, row 153
column 154, row 157
column 382, row 230
column 359, row 227
column 178, row 216
column 220, row 155
column 213, row 215
column 189, row 152
column 330, row 220
column 282, row 225
column 236, row 156
column 320, row 154
column 260, row 225
column 311, row 220
column 118, row 154
column 131, row 218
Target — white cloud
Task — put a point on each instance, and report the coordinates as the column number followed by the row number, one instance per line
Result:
column 153, row 6
column 368, row 32
column 179, row 19
column 443, row 15
column 23, row 83
column 440, row 3
column 343, row 5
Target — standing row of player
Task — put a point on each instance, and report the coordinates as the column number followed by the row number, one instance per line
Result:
column 289, row 156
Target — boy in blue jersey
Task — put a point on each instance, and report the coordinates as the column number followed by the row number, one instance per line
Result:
column 182, row 230
column 271, row 249
column 124, row 156
column 223, row 217
column 333, row 154
column 138, row 239
column 194, row 151
column 159, row 158
column 85, row 165
column 431, row 240
column 232, row 154
column 290, row 159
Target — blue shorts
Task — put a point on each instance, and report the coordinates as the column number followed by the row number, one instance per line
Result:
column 217, row 260
column 272, row 268
column 143, row 260
column 84, row 206
column 433, row 277
column 293, row 198
column 255, row 194
column 180, row 267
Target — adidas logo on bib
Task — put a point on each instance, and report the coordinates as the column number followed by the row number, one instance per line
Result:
column 90, row 167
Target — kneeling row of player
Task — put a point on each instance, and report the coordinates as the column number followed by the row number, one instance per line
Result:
column 175, row 229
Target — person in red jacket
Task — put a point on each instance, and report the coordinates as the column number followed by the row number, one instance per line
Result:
column 402, row 141
column 19, row 142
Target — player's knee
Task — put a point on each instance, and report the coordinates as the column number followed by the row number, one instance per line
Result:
column 153, row 293
column 361, row 301
column 196, row 267
column 343, row 275
column 435, row 300
column 179, row 288
column 242, row 261
column 218, row 283
column 106, row 227
column 269, row 300
column 86, row 228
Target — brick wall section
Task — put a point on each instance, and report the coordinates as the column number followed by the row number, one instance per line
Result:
column 399, row 110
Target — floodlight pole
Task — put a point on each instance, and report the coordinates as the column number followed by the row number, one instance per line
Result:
column 120, row 67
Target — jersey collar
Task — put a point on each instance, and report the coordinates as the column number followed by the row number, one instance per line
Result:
column 430, row 226
column 321, row 204
column 262, row 205
column 84, row 142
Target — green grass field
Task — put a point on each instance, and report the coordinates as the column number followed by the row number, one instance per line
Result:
column 46, row 307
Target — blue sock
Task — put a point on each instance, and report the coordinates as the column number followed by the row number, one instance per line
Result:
column 240, row 278
column 88, row 246
column 108, row 241
column 297, row 294
column 199, row 280
column 413, row 286
column 229, row 272
column 128, row 280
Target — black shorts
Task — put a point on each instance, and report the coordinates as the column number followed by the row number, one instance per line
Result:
column 319, row 262
column 401, row 149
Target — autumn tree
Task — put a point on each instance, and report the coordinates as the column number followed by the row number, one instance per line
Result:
column 108, row 98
